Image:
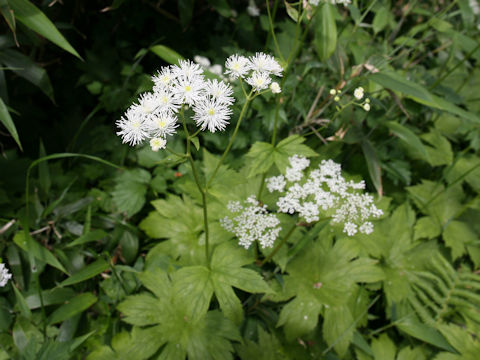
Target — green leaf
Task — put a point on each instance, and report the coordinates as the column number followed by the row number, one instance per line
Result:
column 50, row 297
column 325, row 31
column 167, row 54
column 291, row 11
column 7, row 121
column 411, row 140
column 383, row 348
column 440, row 153
column 142, row 309
column 86, row 273
column 196, row 142
column 381, row 19
column 94, row 235
column 139, row 344
column 374, row 166
column 427, row 227
column 73, row 307
column 419, row 94
column 338, row 328
column 267, row 348
column 43, row 171
column 263, row 155
column 33, row 18
column 130, row 190
column 457, row 235
column 424, row 332
column 23, row 66
column 28, row 244
column 22, row 304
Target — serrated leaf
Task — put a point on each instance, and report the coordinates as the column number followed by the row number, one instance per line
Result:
column 33, row 18
column 73, row 307
column 424, row 332
column 381, row 19
column 383, row 348
column 130, row 190
column 440, row 153
column 142, row 309
column 457, row 235
column 338, row 328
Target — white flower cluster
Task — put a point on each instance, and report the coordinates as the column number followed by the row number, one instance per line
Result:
column 252, row 222
column 4, row 275
column 358, row 93
column 256, row 70
column 324, row 189
column 155, row 115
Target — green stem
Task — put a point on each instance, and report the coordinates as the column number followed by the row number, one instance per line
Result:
column 232, row 139
column 270, row 21
column 175, row 153
column 278, row 247
column 203, row 191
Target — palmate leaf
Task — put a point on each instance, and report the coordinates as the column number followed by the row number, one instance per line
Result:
column 267, row 348
column 130, row 190
column 323, row 278
column 196, row 284
column 180, row 222
column 204, row 336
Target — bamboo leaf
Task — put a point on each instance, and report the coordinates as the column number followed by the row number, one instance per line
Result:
column 7, row 121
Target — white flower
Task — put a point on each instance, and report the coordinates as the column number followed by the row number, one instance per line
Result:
column 366, row 107
column 220, row 91
column 333, row 92
column 350, row 229
column 259, row 80
column 237, row 66
column 167, row 101
column 163, row 78
column 187, row 69
column 253, row 223
column 147, row 104
column 4, row 275
column 314, row 2
column 252, row 9
column 212, row 115
column 202, row 61
column 276, row 183
column 325, row 189
column 188, row 89
column 474, row 6
column 275, row 88
column 343, row 2
column 158, row 143
column 358, row 93
column 265, row 63
column 162, row 125
column 132, row 128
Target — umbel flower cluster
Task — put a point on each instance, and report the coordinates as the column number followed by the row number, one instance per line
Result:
column 176, row 87
column 324, row 192
column 251, row 221
column 4, row 275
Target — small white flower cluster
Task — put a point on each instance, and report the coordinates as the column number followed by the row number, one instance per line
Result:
column 256, row 70
column 358, row 93
column 4, row 275
column 252, row 9
column 251, row 222
column 324, row 189
column 155, row 115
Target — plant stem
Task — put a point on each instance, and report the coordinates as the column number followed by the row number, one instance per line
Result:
column 270, row 21
column 277, row 248
column 232, row 139
column 203, row 191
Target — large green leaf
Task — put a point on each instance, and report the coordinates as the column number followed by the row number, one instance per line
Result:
column 7, row 121
column 167, row 54
column 419, row 94
column 325, row 31
column 23, row 66
column 411, row 140
column 86, row 273
column 28, row 244
column 130, row 190
column 73, row 307
column 33, row 18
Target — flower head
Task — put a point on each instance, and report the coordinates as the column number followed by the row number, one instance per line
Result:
column 132, row 129
column 358, row 93
column 265, row 63
column 158, row 143
column 219, row 91
column 275, row 88
column 4, row 275
column 237, row 66
column 252, row 222
column 162, row 125
column 211, row 115
column 259, row 80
